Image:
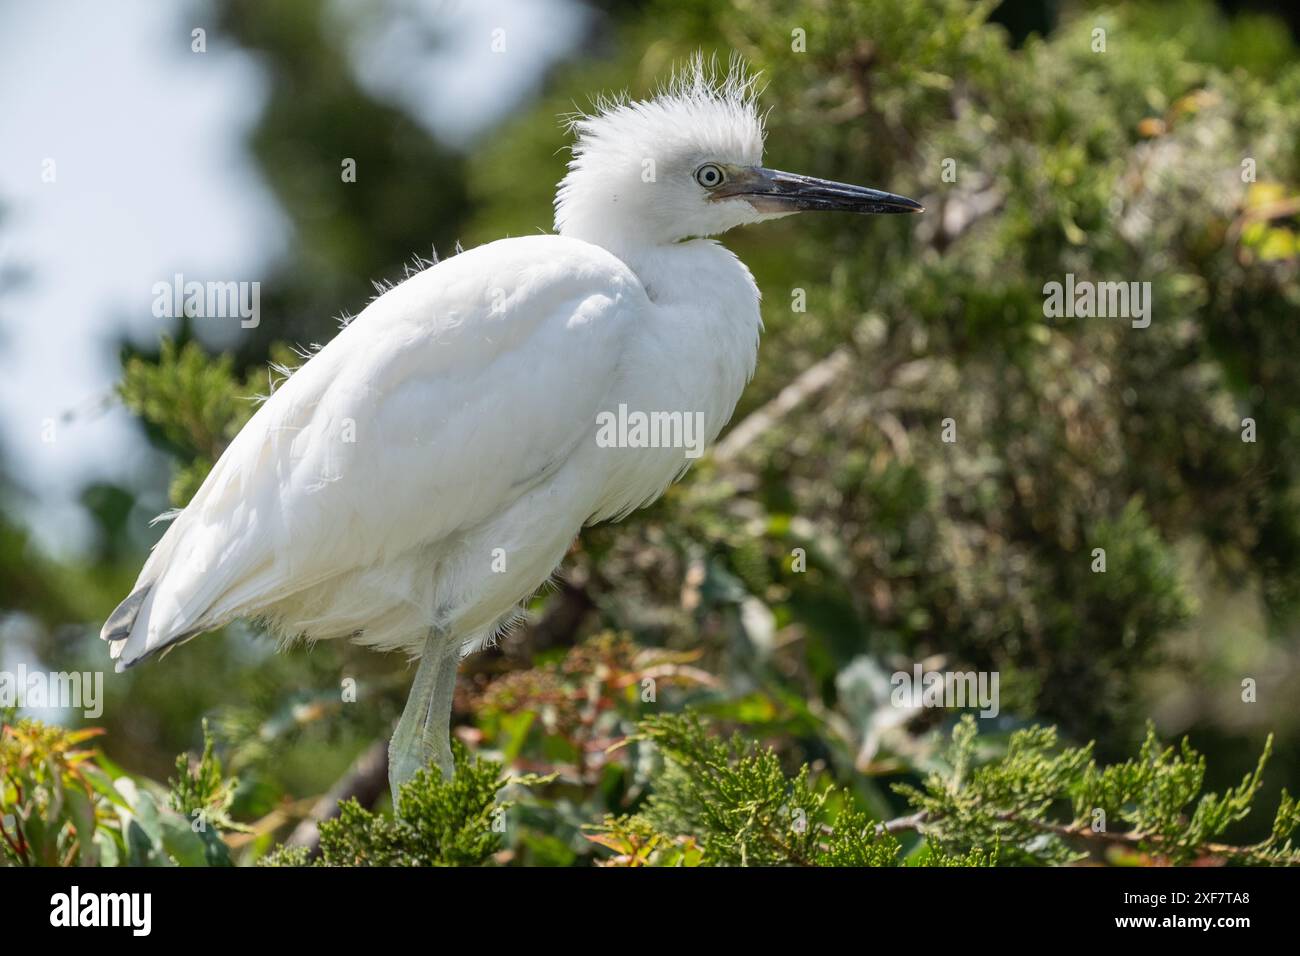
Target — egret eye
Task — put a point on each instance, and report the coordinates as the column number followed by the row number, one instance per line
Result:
column 709, row 175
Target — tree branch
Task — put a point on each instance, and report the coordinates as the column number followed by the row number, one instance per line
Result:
column 1078, row 831
column 365, row 781
column 812, row 381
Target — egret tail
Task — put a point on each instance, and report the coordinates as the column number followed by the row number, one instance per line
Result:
column 423, row 733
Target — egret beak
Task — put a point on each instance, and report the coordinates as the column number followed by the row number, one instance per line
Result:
column 770, row 190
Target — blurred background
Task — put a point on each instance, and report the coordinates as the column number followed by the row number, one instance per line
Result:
column 834, row 538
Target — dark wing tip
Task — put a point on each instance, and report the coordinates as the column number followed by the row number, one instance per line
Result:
column 119, row 623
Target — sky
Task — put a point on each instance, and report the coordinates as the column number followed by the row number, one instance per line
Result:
column 122, row 163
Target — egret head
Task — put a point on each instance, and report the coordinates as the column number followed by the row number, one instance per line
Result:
column 687, row 163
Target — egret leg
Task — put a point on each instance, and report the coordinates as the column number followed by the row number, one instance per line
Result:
column 423, row 733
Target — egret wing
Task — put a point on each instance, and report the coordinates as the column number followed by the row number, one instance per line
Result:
column 447, row 398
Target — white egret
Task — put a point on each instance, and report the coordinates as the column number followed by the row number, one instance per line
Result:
column 426, row 471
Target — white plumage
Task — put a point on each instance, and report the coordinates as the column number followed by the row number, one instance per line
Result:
column 426, row 471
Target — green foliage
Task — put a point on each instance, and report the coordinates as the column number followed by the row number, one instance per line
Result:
column 1153, row 792
column 714, row 802
column 189, row 396
column 196, row 403
column 62, row 804
column 203, row 793
column 48, row 813
column 1020, row 803
column 438, row 822
column 728, row 802
column 741, row 808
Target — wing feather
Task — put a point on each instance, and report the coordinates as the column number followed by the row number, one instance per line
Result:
column 441, row 403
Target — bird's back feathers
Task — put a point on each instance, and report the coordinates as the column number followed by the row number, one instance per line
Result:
column 508, row 349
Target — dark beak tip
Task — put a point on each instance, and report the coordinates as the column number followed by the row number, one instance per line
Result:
column 777, row 191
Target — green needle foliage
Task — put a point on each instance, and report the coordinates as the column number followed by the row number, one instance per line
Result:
column 728, row 803
column 203, row 793
column 742, row 810
column 456, row 822
column 1022, row 802
column 195, row 403
column 715, row 802
column 1151, row 794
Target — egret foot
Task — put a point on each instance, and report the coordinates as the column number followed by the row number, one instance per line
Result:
column 423, row 734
